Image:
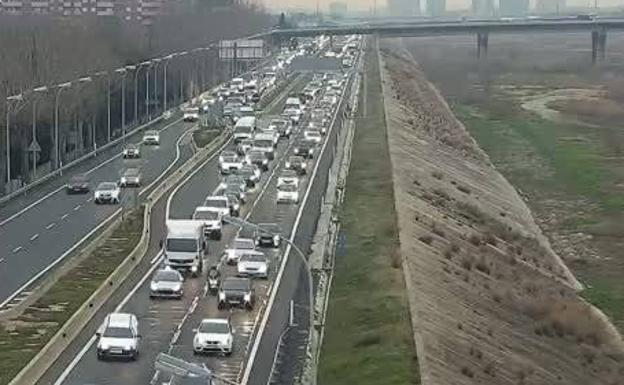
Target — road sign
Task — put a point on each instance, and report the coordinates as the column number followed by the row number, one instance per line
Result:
column 241, row 49
column 34, row 146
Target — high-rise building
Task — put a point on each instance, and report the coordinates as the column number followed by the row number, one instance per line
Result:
column 436, row 7
column 403, row 7
column 483, row 8
column 513, row 8
column 550, row 6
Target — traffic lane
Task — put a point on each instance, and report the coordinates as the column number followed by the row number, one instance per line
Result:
column 20, row 202
column 31, row 247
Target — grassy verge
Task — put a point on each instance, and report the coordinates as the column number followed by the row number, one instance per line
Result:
column 571, row 174
column 22, row 338
column 368, row 337
column 204, row 137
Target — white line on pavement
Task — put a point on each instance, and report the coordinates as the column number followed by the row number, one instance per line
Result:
column 34, row 237
column 15, row 250
column 51, row 225
column 64, row 216
column 77, row 208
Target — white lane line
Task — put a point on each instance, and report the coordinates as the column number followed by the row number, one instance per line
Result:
column 15, row 250
column 34, row 237
column 156, row 258
column 1, row 260
column 51, row 225
column 59, row 259
column 267, row 313
column 38, row 201
column 77, row 208
column 64, row 216
column 90, row 199
column 91, row 341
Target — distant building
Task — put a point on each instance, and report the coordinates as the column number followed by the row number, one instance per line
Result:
column 403, row 7
column 138, row 10
column 338, row 9
column 436, row 7
column 483, row 8
column 550, row 7
column 513, row 8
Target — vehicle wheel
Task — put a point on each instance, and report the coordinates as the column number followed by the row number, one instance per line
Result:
column 220, row 306
column 228, row 353
column 96, row 201
column 219, row 236
column 249, row 306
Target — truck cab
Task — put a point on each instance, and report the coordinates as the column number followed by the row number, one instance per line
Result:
column 185, row 246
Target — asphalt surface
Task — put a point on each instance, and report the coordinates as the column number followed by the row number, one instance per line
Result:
column 34, row 237
column 168, row 325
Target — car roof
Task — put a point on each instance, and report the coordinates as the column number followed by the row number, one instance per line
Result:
column 289, row 173
column 216, row 320
column 119, row 319
column 131, row 171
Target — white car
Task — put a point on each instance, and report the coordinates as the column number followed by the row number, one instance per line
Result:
column 218, row 203
column 130, row 178
column 288, row 177
column 214, row 335
column 313, row 135
column 294, row 114
column 211, row 219
column 167, row 283
column 239, row 247
column 265, row 146
column 253, row 264
column 270, row 134
column 191, row 114
column 287, row 194
column 229, row 162
column 107, row 192
column 151, row 138
column 118, row 336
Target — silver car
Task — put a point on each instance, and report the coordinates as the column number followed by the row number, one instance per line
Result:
column 167, row 283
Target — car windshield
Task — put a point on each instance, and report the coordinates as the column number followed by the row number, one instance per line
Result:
column 243, row 129
column 253, row 257
column 263, row 143
column 246, row 244
column 131, row 147
column 167, row 276
column 295, row 160
column 214, row 328
column 236, row 284
column 270, row 228
column 116, row 332
column 107, row 186
column 288, row 174
column 228, row 154
column 151, row 133
column 181, row 245
column 256, row 155
column 278, row 123
column 288, row 188
column 206, row 215
column 79, row 179
column 219, row 203
column 131, row 172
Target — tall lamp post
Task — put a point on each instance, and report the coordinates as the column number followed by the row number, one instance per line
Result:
column 243, row 223
column 147, row 65
column 167, row 60
column 34, row 144
column 155, row 65
column 123, row 72
column 108, row 103
column 87, row 80
column 9, row 100
column 57, row 147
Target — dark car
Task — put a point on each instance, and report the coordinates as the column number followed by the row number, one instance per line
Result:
column 258, row 158
column 78, row 184
column 297, row 163
column 304, row 148
column 268, row 235
column 234, row 203
column 236, row 190
column 236, row 292
column 251, row 175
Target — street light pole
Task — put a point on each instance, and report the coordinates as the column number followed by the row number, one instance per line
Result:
column 9, row 99
column 123, row 72
column 57, row 151
column 34, row 142
column 302, row 257
column 165, row 82
column 156, row 62
column 108, row 103
column 87, row 80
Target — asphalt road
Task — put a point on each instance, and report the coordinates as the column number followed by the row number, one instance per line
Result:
column 167, row 325
column 36, row 236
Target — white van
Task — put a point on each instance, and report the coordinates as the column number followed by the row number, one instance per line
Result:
column 244, row 128
column 118, row 336
column 185, row 245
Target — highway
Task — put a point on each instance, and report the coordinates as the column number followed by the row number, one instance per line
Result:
column 36, row 234
column 167, row 325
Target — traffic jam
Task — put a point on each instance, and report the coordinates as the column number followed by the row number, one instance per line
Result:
column 227, row 229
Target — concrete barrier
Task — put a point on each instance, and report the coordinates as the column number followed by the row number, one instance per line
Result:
column 37, row 367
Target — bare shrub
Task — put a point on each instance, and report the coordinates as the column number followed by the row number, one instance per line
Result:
column 471, row 212
column 466, row 263
column 467, row 372
column 483, row 267
column 475, row 239
column 437, row 174
column 442, row 194
column 464, row 189
column 428, row 239
column 437, row 231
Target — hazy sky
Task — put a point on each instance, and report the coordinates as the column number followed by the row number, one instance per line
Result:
column 368, row 4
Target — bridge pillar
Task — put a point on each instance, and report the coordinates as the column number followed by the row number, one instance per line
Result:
column 482, row 44
column 599, row 45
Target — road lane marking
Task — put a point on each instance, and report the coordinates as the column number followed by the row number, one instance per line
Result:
column 77, row 208
column 90, row 199
column 15, row 250
column 34, row 237
column 1, row 260
column 64, row 216
column 51, row 225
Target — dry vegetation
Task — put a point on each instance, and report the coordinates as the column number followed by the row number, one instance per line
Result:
column 491, row 302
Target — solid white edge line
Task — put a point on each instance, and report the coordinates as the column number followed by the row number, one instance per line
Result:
column 91, row 341
column 265, row 319
column 37, row 202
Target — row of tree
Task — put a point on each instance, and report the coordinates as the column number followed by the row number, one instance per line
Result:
column 45, row 51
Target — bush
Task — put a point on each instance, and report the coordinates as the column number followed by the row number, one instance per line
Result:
column 428, row 239
column 463, row 189
column 438, row 175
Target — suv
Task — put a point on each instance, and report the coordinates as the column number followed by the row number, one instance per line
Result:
column 131, row 151
column 253, row 264
column 217, row 203
column 213, row 335
column 151, row 137
column 229, row 162
column 118, row 336
column 244, row 146
column 282, row 126
column 266, row 146
column 107, row 192
column 239, row 247
column 268, row 234
column 313, row 136
column 288, row 177
column 211, row 219
column 250, row 174
column 78, row 184
column 304, row 148
column 236, row 292
column 130, row 178
column 233, row 180
column 297, row 164
column 257, row 158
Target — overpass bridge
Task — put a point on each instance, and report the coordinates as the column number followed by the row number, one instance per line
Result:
column 481, row 28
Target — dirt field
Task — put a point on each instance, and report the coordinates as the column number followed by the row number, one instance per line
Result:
column 491, row 303
column 552, row 124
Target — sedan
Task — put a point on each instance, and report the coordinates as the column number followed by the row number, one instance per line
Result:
column 167, row 283
column 78, row 184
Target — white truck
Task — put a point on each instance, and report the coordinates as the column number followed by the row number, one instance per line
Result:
column 185, row 246
column 244, row 128
column 211, row 220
